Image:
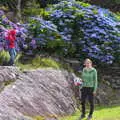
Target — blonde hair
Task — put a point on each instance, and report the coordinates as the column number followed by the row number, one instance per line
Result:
column 88, row 60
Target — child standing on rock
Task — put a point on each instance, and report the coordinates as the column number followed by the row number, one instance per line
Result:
column 11, row 37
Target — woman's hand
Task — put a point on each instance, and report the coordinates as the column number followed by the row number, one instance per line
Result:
column 94, row 93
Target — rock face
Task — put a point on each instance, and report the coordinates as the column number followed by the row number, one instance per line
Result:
column 7, row 75
column 109, row 87
column 113, row 77
column 43, row 92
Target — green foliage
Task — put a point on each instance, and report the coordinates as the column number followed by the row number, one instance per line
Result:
column 113, row 5
column 38, row 118
column 118, row 15
column 45, row 62
column 38, row 62
column 84, row 4
column 8, row 82
column 34, row 10
column 4, row 57
column 117, row 1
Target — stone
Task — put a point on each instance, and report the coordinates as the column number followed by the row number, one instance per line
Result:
column 42, row 92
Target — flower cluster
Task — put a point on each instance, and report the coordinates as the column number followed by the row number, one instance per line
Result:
column 89, row 30
column 5, row 26
column 43, row 35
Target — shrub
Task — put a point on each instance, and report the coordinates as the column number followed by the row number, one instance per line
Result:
column 4, row 57
column 5, row 26
column 73, row 29
column 45, row 36
column 84, row 30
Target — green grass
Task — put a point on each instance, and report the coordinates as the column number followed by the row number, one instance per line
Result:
column 38, row 62
column 4, row 56
column 101, row 113
column 38, row 118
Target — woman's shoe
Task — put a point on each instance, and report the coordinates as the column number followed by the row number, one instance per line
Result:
column 89, row 117
column 81, row 117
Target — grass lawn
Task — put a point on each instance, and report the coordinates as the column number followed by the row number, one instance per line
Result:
column 101, row 113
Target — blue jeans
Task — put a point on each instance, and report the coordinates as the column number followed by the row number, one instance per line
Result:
column 12, row 53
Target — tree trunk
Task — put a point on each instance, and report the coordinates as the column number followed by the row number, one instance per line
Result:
column 19, row 9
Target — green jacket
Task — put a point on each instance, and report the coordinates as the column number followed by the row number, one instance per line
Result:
column 89, row 78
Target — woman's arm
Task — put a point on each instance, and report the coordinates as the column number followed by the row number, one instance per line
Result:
column 95, row 81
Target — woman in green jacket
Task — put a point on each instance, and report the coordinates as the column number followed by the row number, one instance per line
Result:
column 89, row 77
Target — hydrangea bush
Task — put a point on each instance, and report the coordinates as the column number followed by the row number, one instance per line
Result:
column 84, row 30
column 74, row 29
column 44, row 36
column 91, row 31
